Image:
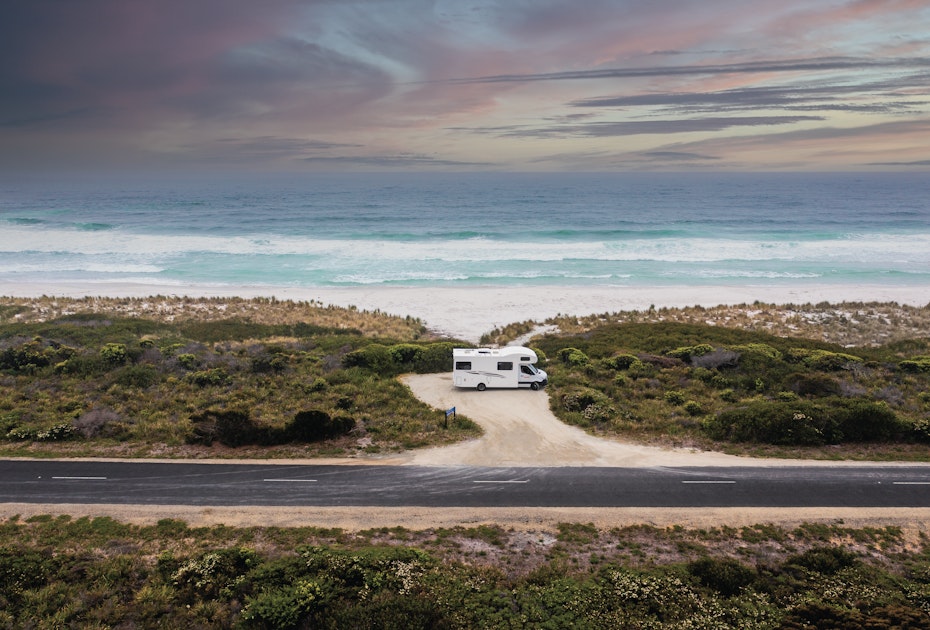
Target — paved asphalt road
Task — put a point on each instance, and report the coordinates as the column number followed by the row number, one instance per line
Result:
column 313, row 485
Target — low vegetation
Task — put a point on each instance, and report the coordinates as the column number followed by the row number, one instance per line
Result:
column 210, row 310
column 56, row 571
column 262, row 378
column 743, row 391
column 844, row 324
column 95, row 377
column 90, row 383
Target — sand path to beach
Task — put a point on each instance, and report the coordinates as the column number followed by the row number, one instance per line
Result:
column 521, row 430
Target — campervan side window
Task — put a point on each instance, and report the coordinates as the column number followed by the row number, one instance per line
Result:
column 505, row 365
column 525, row 359
column 463, row 365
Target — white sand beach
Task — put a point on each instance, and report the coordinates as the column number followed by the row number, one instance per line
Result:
column 467, row 313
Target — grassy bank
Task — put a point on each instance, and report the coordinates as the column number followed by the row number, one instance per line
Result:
column 96, row 573
column 742, row 391
column 200, row 378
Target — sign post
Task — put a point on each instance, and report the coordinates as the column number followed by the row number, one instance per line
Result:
column 449, row 412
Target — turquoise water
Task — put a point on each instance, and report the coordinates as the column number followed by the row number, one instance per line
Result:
column 470, row 230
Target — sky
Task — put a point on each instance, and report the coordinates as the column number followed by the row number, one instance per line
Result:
column 464, row 85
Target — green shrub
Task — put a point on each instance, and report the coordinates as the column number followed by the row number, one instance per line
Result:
column 693, row 408
column 319, row 384
column 404, row 357
column 21, row 570
column 187, row 361
column 921, row 429
column 866, row 421
column 915, row 365
column 405, row 353
column 724, row 575
column 213, row 574
column 435, row 357
column 232, row 427
column 804, row 423
column 774, row 422
column 826, row 560
column 26, row 358
column 762, row 350
column 394, row 610
column 55, row 433
column 621, row 362
column 10, row 420
column 823, row 360
column 374, row 356
column 597, row 413
column 716, row 359
column 214, row 377
column 137, row 376
column 269, row 362
column 640, row 370
column 728, row 395
column 674, row 397
column 685, row 353
column 578, row 399
column 283, row 607
column 813, row 384
column 114, row 354
column 573, row 357
column 314, row 425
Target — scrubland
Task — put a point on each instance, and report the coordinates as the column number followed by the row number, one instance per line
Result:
column 172, row 377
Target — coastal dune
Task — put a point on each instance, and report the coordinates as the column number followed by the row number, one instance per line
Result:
column 468, row 313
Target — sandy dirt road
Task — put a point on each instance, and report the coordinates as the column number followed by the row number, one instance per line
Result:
column 521, row 430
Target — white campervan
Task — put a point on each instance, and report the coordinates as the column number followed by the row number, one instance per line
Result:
column 511, row 366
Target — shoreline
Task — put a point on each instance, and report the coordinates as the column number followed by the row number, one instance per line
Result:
column 468, row 313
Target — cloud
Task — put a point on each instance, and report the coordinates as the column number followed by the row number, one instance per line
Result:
column 261, row 149
column 134, row 64
column 444, row 83
column 57, row 56
column 826, row 96
column 752, row 67
column 675, row 156
column 638, row 127
column 847, row 146
column 399, row 160
column 914, row 163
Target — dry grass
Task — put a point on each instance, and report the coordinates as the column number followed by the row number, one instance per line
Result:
column 847, row 323
column 203, row 309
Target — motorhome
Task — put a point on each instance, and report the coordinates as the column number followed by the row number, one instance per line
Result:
column 510, row 366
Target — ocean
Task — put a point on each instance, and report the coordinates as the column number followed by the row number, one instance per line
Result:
column 466, row 230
